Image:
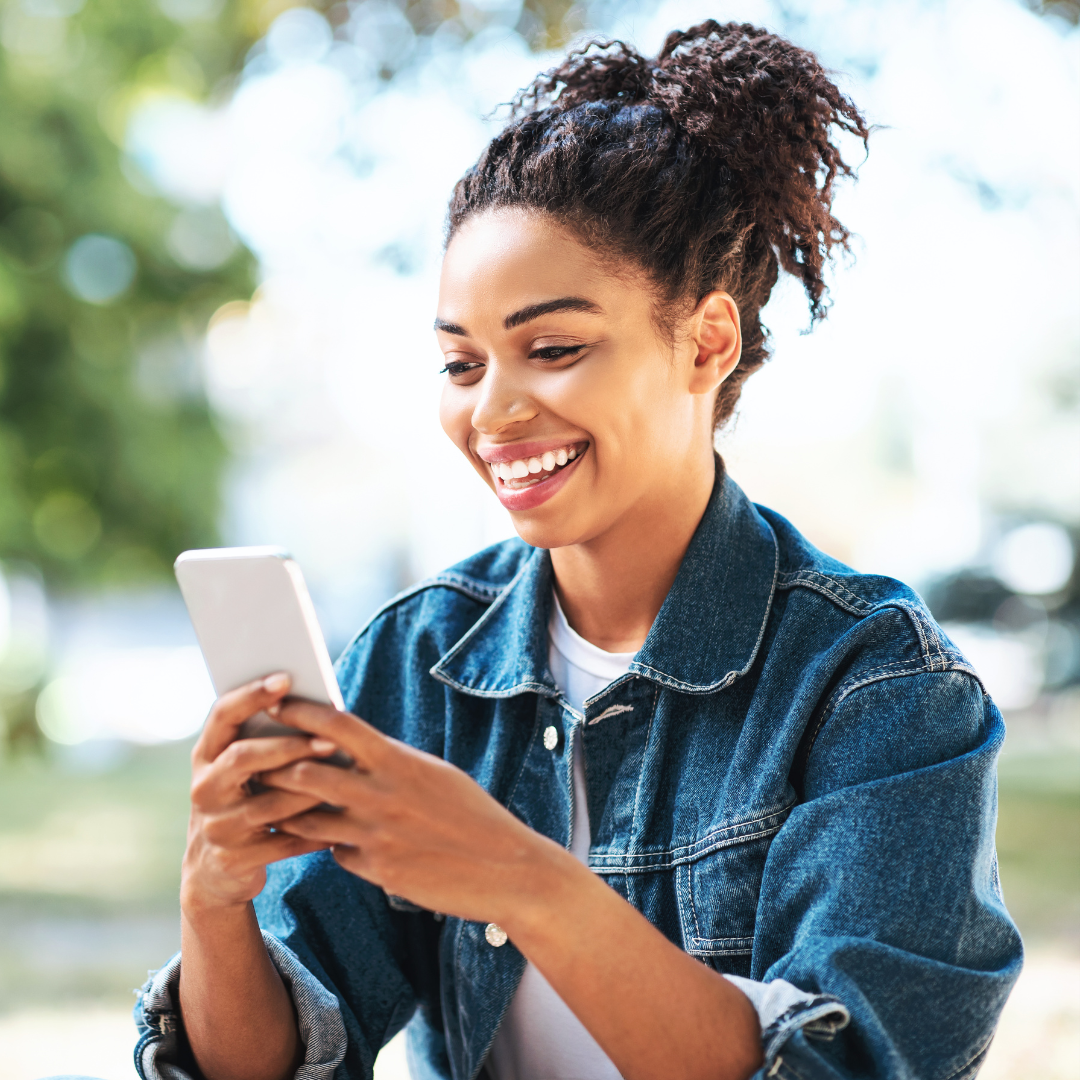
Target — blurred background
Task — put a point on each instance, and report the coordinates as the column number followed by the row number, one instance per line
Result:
column 220, row 233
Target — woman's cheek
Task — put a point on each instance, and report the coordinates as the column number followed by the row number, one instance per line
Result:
column 454, row 415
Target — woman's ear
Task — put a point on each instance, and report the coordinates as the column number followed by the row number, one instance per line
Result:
column 716, row 332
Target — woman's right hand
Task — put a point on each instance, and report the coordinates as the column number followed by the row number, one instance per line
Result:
column 230, row 837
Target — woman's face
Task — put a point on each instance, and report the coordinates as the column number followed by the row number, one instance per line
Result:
column 570, row 405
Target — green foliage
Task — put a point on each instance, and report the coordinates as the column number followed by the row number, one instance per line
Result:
column 110, row 460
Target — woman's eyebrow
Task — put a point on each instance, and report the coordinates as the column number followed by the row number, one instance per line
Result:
column 450, row 328
column 526, row 314
column 565, row 303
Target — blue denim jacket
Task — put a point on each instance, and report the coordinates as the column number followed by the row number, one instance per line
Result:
column 795, row 781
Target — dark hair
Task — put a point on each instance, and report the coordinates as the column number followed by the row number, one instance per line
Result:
column 709, row 167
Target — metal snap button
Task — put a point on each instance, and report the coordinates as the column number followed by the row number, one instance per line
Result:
column 495, row 934
column 551, row 737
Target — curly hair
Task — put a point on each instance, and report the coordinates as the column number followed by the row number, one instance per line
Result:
column 709, row 167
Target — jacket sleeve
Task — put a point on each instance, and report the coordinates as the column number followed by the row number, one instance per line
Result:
column 356, row 968
column 162, row 1052
column 376, row 955
column 881, row 896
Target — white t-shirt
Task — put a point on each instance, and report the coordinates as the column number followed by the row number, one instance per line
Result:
column 540, row 1038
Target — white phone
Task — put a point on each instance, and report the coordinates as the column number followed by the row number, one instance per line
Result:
column 253, row 616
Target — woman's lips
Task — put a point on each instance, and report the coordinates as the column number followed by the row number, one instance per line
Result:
column 529, row 491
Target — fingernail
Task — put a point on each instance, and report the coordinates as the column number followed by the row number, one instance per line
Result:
column 274, row 710
column 276, row 683
column 322, row 746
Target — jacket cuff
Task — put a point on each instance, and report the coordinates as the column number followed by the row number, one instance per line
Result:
column 784, row 1009
column 162, row 1050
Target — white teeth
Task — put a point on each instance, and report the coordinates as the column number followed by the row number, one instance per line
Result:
column 546, row 462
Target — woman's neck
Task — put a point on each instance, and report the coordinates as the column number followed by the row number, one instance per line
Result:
column 612, row 587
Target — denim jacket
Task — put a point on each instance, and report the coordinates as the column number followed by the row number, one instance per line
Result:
column 794, row 782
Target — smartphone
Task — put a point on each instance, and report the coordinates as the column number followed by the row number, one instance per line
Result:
column 253, row 616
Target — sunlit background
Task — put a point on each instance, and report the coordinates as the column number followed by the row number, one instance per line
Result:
column 220, row 234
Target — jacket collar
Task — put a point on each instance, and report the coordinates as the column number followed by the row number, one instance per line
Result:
column 707, row 633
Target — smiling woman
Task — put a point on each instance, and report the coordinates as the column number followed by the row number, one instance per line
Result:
column 659, row 789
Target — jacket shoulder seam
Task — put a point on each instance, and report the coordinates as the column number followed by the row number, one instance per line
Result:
column 481, row 591
column 897, row 669
column 827, row 586
column 931, row 646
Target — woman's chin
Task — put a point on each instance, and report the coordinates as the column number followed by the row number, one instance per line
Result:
column 554, row 526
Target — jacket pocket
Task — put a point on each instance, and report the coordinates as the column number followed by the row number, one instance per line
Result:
column 718, row 898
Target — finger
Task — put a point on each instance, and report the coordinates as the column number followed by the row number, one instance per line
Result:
column 223, row 781
column 319, row 826
column 286, row 846
column 273, row 847
column 245, row 757
column 232, row 709
column 363, row 743
column 328, row 783
column 271, row 807
column 250, row 821
column 355, row 860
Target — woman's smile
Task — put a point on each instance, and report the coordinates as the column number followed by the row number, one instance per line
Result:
column 528, row 474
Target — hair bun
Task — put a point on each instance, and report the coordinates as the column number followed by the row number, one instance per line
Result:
column 711, row 165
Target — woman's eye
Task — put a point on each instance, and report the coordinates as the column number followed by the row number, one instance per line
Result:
column 555, row 352
column 457, row 367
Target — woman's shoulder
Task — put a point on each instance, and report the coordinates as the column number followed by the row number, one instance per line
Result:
column 875, row 623
column 439, row 610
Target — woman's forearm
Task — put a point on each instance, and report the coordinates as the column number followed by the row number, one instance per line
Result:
column 655, row 1010
column 238, row 1016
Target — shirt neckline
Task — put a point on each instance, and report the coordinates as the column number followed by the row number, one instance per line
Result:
column 583, row 654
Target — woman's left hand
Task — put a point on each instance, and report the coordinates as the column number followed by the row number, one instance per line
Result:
column 416, row 825
column 424, row 830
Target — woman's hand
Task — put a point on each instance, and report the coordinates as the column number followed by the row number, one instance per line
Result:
column 423, row 829
column 230, row 841
column 412, row 823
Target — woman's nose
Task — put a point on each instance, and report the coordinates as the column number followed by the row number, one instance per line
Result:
column 503, row 401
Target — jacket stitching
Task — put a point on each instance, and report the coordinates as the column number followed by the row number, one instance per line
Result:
column 844, row 689
column 525, row 758
column 827, row 586
column 682, row 888
column 880, row 674
column 785, row 1067
column 974, row 1057
column 688, row 853
column 917, row 625
column 722, row 684
column 475, row 590
column 475, row 628
column 701, row 945
column 677, row 684
column 693, row 906
column 931, row 645
column 510, row 691
column 641, row 769
column 707, row 839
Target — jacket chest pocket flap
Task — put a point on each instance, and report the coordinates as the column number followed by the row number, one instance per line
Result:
column 718, row 897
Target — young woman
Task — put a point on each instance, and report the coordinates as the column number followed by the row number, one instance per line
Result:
column 659, row 790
